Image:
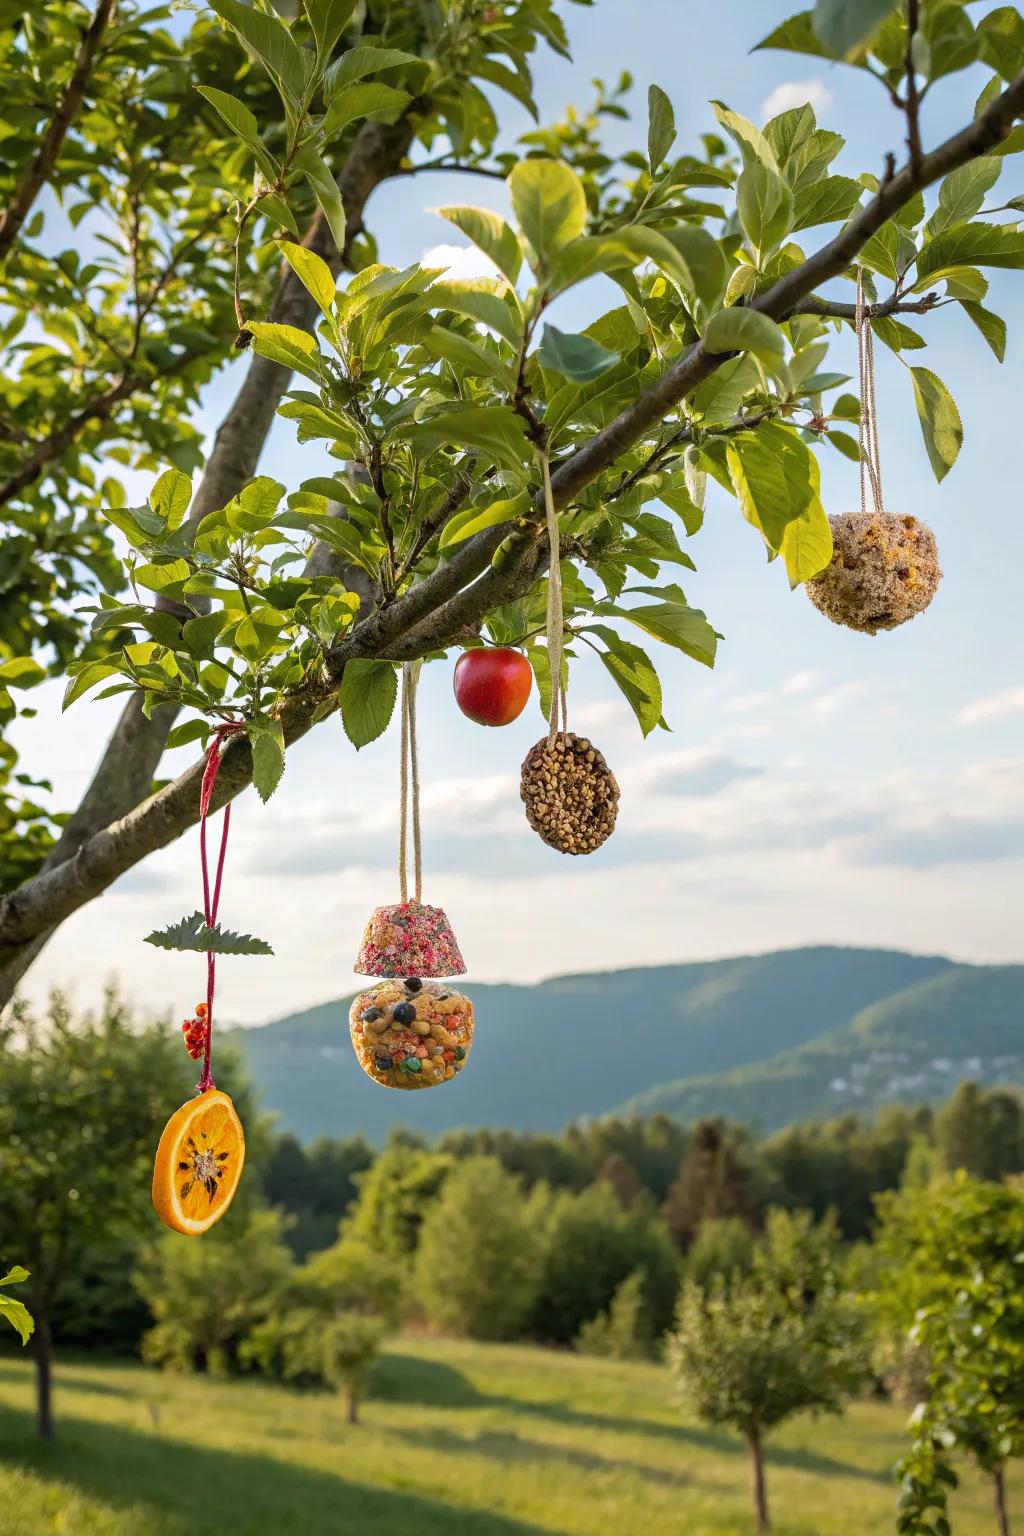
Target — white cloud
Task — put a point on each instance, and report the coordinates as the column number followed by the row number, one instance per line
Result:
column 1009, row 702
column 803, row 682
column 829, row 702
column 797, row 93
column 460, row 261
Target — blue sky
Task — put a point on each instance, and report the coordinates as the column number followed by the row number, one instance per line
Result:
column 817, row 786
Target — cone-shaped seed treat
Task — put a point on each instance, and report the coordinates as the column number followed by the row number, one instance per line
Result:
column 409, row 939
column 411, row 1033
column 570, row 793
column 884, row 571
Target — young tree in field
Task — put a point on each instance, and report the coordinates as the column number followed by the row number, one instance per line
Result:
column 207, row 1298
column 272, row 606
column 784, row 1339
column 81, row 1105
column 952, row 1285
column 478, row 1260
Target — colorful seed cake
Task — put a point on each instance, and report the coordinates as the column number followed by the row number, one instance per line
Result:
column 409, row 939
column 411, row 1033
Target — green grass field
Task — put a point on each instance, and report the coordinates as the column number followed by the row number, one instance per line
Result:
column 457, row 1440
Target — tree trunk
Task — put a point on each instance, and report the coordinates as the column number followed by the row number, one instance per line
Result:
column 999, row 1489
column 43, row 1347
column 351, row 1408
column 757, row 1482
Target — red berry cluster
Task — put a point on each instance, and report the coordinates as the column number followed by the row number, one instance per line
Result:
column 196, row 1032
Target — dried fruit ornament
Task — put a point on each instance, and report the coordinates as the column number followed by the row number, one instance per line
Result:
column 201, row 1154
column 884, row 568
column 570, row 794
column 413, row 1030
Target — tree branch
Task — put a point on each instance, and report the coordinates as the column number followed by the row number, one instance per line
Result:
column 891, row 306
column 49, row 149
column 912, row 105
column 462, row 590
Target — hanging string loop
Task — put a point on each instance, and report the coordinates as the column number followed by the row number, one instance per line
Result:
column 211, row 900
column 870, row 460
column 555, row 611
column 409, row 810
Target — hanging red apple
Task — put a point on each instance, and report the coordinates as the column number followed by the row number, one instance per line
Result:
column 492, row 684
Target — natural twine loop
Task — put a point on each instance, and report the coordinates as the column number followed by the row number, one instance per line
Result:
column 558, row 714
column 870, row 461
column 410, row 773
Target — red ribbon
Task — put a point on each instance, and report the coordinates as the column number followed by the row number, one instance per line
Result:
column 213, row 760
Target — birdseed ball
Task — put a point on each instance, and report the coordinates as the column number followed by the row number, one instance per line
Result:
column 884, row 571
column 405, row 1042
column 570, row 793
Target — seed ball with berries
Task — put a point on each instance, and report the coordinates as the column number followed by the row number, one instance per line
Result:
column 410, row 1033
column 884, row 571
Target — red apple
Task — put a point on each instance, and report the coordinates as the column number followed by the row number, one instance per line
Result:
column 492, row 684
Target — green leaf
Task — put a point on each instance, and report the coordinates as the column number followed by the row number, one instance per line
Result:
column 475, row 519
column 325, row 189
column 764, row 203
column 797, row 35
column 844, row 26
column 328, row 19
column 370, row 99
column 278, row 212
column 367, row 695
column 157, row 578
column 807, row 544
column 774, row 476
column 991, row 326
column 472, row 359
column 170, row 497
column 192, row 934
column 661, row 127
column 750, row 141
column 577, row 357
column 287, row 345
column 366, row 59
column 18, row 1315
column 550, row 204
column 200, row 634
column 675, row 624
column 16, row 1276
column 92, row 673
column 963, row 192
column 940, row 421
column 270, row 40
column 489, row 232
column 21, row 672
column 243, row 124
column 312, row 271
column 494, row 432
column 484, row 299
column 825, row 202
column 266, row 738
column 189, row 731
column 633, row 673
column 745, row 330
column 971, row 245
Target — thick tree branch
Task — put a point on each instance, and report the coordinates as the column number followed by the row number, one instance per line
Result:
column 835, row 309
column 47, row 154
column 464, row 588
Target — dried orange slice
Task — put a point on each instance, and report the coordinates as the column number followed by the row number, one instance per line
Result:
column 198, row 1163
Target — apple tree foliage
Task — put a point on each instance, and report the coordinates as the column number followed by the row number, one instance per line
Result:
column 211, row 163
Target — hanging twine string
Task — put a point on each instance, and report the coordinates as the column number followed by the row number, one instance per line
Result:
column 555, row 616
column 410, row 776
column 211, row 903
column 870, row 461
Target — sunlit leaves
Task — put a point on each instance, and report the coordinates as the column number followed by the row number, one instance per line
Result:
column 985, row 245
column 962, row 193
column 633, row 673
column 15, row 1312
column 826, row 202
column 549, row 203
column 495, row 433
column 991, row 326
column 764, row 203
column 940, row 421
column 269, row 40
column 370, row 99
column 170, row 497
column 313, row 272
column 491, row 234
column 287, row 345
column 774, row 478
column 266, row 738
column 745, row 330
column 325, row 189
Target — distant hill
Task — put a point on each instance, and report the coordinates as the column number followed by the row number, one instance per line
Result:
column 967, row 1021
column 583, row 1045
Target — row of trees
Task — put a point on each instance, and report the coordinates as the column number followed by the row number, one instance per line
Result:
column 627, row 1239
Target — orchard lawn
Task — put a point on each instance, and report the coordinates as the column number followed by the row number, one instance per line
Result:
column 458, row 1439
